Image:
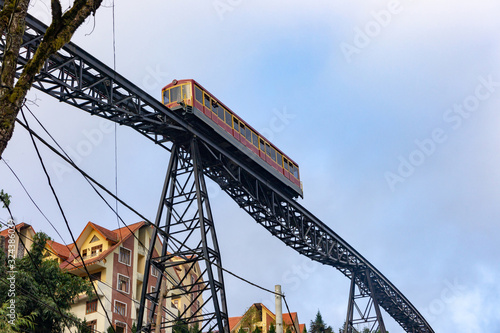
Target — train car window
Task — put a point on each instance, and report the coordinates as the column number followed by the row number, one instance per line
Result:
column 221, row 113
column 175, row 94
column 255, row 140
column 268, row 149
column 248, row 135
column 207, row 101
column 273, row 154
column 215, row 108
column 186, row 91
column 198, row 94
column 262, row 146
column 229, row 119
column 166, row 98
column 279, row 159
column 236, row 125
column 294, row 170
column 285, row 162
column 243, row 129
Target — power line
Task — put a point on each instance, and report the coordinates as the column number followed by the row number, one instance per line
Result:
column 62, row 212
column 87, row 177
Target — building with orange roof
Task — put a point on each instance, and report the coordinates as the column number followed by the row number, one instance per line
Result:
column 258, row 315
column 115, row 260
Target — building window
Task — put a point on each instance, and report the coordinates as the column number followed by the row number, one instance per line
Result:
column 124, row 256
column 175, row 303
column 120, row 327
column 92, row 325
column 154, row 271
column 120, row 308
column 95, row 250
column 84, row 253
column 91, row 306
column 123, row 283
column 94, row 239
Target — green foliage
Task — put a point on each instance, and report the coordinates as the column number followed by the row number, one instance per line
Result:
column 134, row 328
column 5, row 198
column 252, row 315
column 45, row 291
column 319, row 326
column 305, row 330
column 180, row 326
column 272, row 328
column 84, row 328
column 241, row 330
column 257, row 330
column 195, row 328
column 110, row 330
column 20, row 323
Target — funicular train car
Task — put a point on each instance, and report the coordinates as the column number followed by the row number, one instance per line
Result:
column 206, row 107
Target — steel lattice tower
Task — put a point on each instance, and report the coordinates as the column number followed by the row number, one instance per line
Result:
column 185, row 226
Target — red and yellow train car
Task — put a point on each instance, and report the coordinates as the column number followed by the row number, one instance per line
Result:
column 210, row 110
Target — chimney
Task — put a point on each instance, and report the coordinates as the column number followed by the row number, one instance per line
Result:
column 279, row 312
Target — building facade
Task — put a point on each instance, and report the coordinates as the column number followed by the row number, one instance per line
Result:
column 115, row 261
column 258, row 316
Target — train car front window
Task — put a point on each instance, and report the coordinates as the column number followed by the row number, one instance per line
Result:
column 166, row 98
column 186, row 91
column 175, row 94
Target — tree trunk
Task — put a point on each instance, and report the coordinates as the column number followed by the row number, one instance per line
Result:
column 59, row 33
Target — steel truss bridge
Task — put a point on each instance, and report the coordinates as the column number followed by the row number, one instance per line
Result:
column 77, row 78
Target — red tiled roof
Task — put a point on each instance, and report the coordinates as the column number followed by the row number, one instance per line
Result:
column 233, row 321
column 108, row 234
column 60, row 250
column 19, row 226
column 288, row 320
column 302, row 327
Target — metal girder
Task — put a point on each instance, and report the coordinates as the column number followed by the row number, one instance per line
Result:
column 77, row 78
column 364, row 305
column 185, row 226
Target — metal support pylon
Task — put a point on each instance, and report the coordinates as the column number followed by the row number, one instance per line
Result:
column 363, row 311
column 190, row 259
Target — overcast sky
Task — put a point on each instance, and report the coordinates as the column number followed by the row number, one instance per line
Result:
column 390, row 108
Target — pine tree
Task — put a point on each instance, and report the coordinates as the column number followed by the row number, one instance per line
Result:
column 319, row 326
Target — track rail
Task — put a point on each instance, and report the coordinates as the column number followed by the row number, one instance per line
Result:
column 77, row 78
